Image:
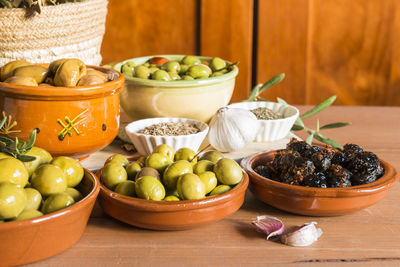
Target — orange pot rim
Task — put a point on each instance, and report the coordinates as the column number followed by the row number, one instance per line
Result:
column 91, row 196
column 168, row 206
column 60, row 93
column 388, row 180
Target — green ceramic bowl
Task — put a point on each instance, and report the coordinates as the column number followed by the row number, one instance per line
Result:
column 198, row 99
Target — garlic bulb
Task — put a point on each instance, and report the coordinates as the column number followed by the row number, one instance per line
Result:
column 232, row 128
column 307, row 234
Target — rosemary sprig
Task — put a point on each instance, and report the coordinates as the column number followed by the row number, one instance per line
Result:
column 299, row 124
column 18, row 148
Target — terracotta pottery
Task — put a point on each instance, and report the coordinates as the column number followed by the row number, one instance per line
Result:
column 172, row 215
column 95, row 107
column 39, row 238
column 316, row 201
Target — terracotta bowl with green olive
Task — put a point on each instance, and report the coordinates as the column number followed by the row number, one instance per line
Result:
column 193, row 87
column 170, row 190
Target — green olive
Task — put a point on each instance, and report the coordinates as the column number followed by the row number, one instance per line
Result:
column 141, row 161
column 5, row 155
column 187, row 78
column 53, row 67
column 212, row 155
column 42, row 157
column 49, row 179
column 118, row 159
column 69, row 72
column 113, row 174
column 100, row 74
column 186, row 154
column 217, row 73
column 190, row 187
column 27, row 215
column 174, row 171
column 33, row 199
column 7, row 70
column 128, row 69
column 203, row 166
column 217, row 64
column 174, row 76
column 73, row 170
column 220, row 190
column 228, row 172
column 75, row 194
column 171, row 198
column 160, row 75
column 132, row 170
column 153, row 69
column 12, row 170
column 148, row 171
column 148, row 187
column 166, row 150
column 191, row 60
column 142, row 72
column 57, row 202
column 199, row 71
column 209, row 180
column 26, row 81
column 126, row 188
column 158, row 161
column 184, row 69
column 12, row 200
column 171, row 66
column 90, row 80
column 37, row 72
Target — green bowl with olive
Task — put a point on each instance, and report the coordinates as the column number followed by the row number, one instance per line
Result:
column 194, row 87
column 170, row 190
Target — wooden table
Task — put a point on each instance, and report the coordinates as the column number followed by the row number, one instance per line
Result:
column 368, row 237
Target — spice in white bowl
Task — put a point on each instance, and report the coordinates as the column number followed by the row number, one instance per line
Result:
column 171, row 129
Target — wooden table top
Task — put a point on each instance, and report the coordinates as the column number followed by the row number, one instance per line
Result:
column 368, row 237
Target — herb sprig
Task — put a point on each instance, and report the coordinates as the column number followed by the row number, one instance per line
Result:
column 18, row 148
column 299, row 124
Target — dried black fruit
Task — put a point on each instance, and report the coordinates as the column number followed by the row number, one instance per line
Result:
column 315, row 180
column 337, row 176
column 299, row 146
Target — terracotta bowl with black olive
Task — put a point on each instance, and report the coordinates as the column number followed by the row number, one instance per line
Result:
column 316, row 197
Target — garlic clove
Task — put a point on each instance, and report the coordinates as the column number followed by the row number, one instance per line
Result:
column 305, row 235
column 271, row 226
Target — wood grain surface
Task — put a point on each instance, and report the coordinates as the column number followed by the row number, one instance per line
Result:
column 365, row 238
column 345, row 47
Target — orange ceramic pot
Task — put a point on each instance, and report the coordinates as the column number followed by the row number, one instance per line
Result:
column 95, row 110
column 315, row 201
column 172, row 215
column 39, row 238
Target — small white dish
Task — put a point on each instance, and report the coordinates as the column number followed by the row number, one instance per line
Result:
column 271, row 130
column 145, row 144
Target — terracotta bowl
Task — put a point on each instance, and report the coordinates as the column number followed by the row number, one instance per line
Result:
column 41, row 107
column 197, row 99
column 316, row 201
column 172, row 215
column 39, row 238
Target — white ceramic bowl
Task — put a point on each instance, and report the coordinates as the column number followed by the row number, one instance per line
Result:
column 271, row 130
column 145, row 144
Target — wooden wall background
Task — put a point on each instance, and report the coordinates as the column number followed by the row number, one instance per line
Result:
column 350, row 48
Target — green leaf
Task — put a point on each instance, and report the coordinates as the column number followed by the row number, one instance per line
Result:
column 299, row 122
column 309, row 139
column 254, row 92
column 317, row 126
column 280, row 100
column 31, row 140
column 320, row 107
column 271, row 82
column 25, row 158
column 263, row 99
column 327, row 141
column 335, row 125
column 297, row 127
column 6, row 140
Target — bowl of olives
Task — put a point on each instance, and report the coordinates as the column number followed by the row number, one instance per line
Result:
column 45, row 205
column 319, row 180
column 193, row 87
column 73, row 107
column 170, row 190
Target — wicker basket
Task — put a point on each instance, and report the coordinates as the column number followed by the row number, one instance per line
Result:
column 71, row 30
